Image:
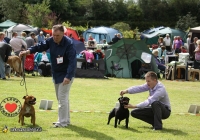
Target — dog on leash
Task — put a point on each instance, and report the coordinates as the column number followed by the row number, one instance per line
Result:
column 15, row 63
column 120, row 113
column 27, row 109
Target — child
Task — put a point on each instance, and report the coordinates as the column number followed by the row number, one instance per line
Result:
column 183, row 49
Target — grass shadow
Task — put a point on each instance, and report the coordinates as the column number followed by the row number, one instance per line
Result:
column 129, row 129
column 173, row 131
column 169, row 130
column 89, row 134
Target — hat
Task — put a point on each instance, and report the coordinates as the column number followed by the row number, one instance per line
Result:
column 167, row 34
column 41, row 32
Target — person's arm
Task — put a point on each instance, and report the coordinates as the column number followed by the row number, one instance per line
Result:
column 71, row 54
column 135, row 89
column 37, row 48
column 157, row 96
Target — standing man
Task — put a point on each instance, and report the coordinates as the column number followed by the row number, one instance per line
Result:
column 30, row 40
column 40, row 38
column 188, row 41
column 156, row 107
column 167, row 41
column 177, row 45
column 191, row 48
column 5, row 51
column 63, row 61
column 17, row 43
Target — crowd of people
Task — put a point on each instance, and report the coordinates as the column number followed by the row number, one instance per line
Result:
column 18, row 43
column 166, row 46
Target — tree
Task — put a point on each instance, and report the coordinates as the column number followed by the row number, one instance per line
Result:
column 13, row 10
column 134, row 12
column 121, row 26
column 186, row 22
column 37, row 13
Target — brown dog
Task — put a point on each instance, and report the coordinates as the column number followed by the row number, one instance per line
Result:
column 27, row 109
column 15, row 63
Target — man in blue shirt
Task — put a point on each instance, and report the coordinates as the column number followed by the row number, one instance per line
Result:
column 156, row 107
column 63, row 61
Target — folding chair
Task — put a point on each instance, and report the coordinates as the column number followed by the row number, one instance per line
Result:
column 116, row 68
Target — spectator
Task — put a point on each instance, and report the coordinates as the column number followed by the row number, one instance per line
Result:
column 177, row 45
column 175, row 38
column 44, row 63
column 167, row 41
column 161, row 42
column 115, row 39
column 40, row 38
column 161, row 67
column 183, row 49
column 23, row 36
column 17, row 43
column 119, row 36
column 90, row 38
column 81, row 38
column 162, row 54
column 197, row 55
column 30, row 40
column 2, row 37
column 47, row 36
column 192, row 48
column 188, row 41
column 6, row 39
column 5, row 51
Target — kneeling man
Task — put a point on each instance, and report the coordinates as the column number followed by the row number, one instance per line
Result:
column 156, row 107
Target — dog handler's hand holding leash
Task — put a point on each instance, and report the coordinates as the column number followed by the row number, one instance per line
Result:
column 22, row 55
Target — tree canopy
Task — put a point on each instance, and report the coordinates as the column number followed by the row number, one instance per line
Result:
column 137, row 13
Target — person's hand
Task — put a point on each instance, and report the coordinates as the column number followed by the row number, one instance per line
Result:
column 66, row 81
column 24, row 53
column 129, row 106
column 123, row 92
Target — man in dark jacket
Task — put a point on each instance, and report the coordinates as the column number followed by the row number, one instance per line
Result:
column 192, row 48
column 63, row 66
column 5, row 51
column 115, row 39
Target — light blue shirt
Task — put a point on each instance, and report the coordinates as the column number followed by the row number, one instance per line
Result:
column 158, row 93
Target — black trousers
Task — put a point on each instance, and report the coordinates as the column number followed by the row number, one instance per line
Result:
column 178, row 50
column 45, row 67
column 152, row 115
column 168, row 48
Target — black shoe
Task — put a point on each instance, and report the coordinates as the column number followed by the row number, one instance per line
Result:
column 154, row 129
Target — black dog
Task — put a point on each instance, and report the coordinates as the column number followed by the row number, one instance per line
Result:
column 120, row 113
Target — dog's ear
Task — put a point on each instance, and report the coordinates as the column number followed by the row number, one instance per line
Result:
column 24, row 97
column 119, row 98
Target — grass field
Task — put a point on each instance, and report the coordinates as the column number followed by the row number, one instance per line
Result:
column 90, row 102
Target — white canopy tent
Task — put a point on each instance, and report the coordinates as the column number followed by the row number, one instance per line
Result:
column 17, row 28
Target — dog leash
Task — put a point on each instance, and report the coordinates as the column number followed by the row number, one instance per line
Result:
column 23, row 81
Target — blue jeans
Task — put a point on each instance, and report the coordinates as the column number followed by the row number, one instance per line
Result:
column 2, row 68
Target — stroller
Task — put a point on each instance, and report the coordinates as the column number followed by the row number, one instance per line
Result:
column 29, row 65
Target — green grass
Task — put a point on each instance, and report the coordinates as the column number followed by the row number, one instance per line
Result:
column 98, row 97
